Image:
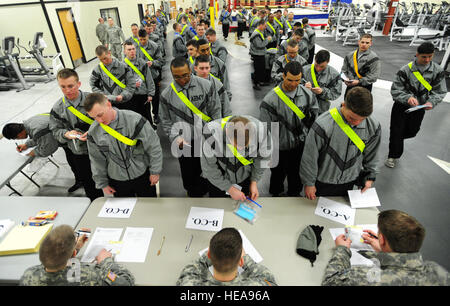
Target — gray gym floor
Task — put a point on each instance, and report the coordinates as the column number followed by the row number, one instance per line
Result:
column 417, row 185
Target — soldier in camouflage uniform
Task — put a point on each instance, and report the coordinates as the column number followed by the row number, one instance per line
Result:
column 114, row 39
column 238, row 269
column 396, row 257
column 55, row 271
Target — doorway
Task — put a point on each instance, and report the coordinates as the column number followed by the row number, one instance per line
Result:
column 71, row 36
column 113, row 13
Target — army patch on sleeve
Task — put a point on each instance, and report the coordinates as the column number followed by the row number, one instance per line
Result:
column 111, row 276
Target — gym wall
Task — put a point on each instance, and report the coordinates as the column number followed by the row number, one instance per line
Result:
column 23, row 18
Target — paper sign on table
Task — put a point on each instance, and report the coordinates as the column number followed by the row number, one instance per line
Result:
column 335, row 211
column 135, row 243
column 369, row 198
column 205, row 219
column 117, row 208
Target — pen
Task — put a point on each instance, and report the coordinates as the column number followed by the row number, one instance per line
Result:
column 254, row 202
column 189, row 244
column 160, row 248
column 372, row 235
column 17, row 145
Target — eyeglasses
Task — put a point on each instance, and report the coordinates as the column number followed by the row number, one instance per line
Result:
column 180, row 77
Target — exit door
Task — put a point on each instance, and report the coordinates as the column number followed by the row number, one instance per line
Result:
column 71, row 36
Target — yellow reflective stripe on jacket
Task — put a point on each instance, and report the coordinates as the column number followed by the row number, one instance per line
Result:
column 189, row 104
column 215, row 77
column 420, row 78
column 118, row 136
column 313, row 76
column 191, row 59
column 355, row 63
column 134, row 68
column 233, row 150
column 137, row 41
column 274, row 32
column 111, row 76
column 78, row 114
column 288, row 102
column 196, row 38
column 289, row 24
column 281, row 25
column 347, row 129
column 146, row 54
column 262, row 36
column 44, row 114
column 182, row 30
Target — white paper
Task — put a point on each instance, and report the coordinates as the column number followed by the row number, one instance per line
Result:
column 205, row 219
column 249, row 249
column 344, row 77
column 335, row 211
column 413, row 109
column 135, row 243
column 5, row 226
column 26, row 151
column 359, row 260
column 117, row 208
column 368, row 198
column 357, row 242
column 103, row 238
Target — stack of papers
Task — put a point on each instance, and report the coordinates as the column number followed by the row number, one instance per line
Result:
column 368, row 198
column 357, row 243
column 24, row 239
column 132, row 248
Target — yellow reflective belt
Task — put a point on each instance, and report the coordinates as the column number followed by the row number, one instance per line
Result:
column 182, row 30
column 191, row 59
column 137, row 41
column 210, row 49
column 233, row 150
column 420, row 78
column 146, row 54
column 122, row 85
column 44, row 114
column 288, row 102
column 118, row 136
column 262, row 36
column 347, row 129
column 251, row 22
column 134, row 68
column 78, row 114
column 196, row 38
column 214, row 76
column 274, row 33
column 189, row 104
column 313, row 76
column 281, row 25
column 285, row 56
column 289, row 24
column 355, row 63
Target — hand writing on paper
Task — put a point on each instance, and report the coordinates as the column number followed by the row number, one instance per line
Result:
column 102, row 256
column 413, row 101
column 370, row 239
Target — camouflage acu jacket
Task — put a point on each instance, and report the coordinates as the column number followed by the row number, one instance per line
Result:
column 108, row 273
column 390, row 269
column 198, row 274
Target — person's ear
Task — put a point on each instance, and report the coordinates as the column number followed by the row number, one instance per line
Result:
column 209, row 255
column 74, row 254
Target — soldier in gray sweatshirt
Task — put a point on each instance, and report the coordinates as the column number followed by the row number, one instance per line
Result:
column 225, row 18
column 295, row 108
column 258, row 49
column 187, row 104
column 124, row 149
column 113, row 78
column 420, row 82
column 37, row 130
column 69, row 124
column 341, row 149
column 281, row 62
column 236, row 152
column 323, row 80
column 368, row 66
column 114, row 39
column 179, row 43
